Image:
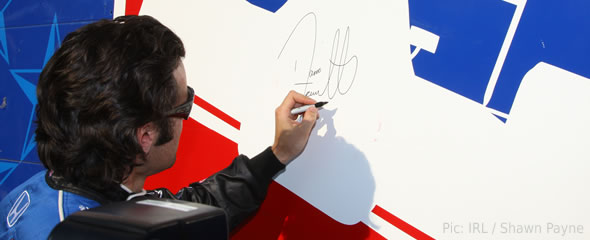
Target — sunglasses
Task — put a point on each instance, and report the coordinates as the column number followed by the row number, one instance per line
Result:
column 183, row 110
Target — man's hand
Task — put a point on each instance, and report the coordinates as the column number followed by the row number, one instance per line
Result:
column 291, row 136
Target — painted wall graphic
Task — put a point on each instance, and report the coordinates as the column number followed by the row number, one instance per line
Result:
column 447, row 119
column 423, row 157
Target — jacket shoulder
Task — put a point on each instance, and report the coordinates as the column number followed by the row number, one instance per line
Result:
column 30, row 211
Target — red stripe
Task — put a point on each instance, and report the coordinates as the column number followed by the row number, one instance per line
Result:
column 397, row 222
column 215, row 111
column 132, row 7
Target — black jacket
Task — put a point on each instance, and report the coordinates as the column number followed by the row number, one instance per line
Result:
column 239, row 189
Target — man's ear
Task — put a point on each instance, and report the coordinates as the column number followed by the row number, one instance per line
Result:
column 147, row 136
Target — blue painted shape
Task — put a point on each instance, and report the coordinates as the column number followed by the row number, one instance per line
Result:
column 27, row 87
column 501, row 118
column 54, row 41
column 555, row 32
column 29, row 142
column 471, row 36
column 14, row 117
column 3, row 42
column 5, row 167
column 270, row 5
column 42, row 12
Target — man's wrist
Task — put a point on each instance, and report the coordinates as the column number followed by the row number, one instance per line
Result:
column 280, row 155
column 265, row 165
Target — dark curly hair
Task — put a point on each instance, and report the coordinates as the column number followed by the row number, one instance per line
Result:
column 106, row 80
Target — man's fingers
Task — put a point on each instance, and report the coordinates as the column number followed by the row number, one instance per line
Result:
column 309, row 119
column 302, row 99
column 296, row 99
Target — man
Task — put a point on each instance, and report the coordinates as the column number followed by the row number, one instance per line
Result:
column 111, row 104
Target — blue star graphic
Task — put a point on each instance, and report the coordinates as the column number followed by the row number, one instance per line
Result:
column 23, row 77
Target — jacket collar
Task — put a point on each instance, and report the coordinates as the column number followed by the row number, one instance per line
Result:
column 114, row 194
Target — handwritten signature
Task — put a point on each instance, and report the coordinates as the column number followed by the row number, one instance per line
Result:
column 337, row 63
